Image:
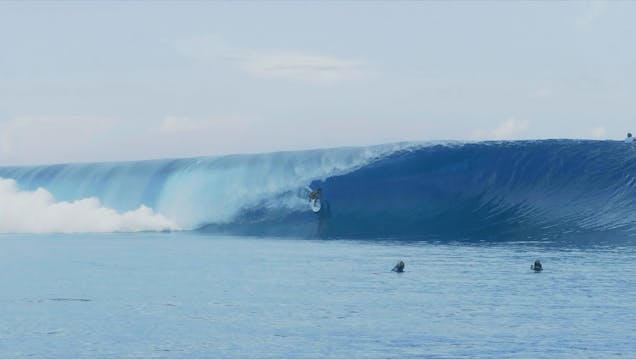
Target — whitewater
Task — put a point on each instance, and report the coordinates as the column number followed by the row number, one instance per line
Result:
column 222, row 257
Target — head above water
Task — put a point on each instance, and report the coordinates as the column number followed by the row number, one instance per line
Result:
column 399, row 267
column 629, row 135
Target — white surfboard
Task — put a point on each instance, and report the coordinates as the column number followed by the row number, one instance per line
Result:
column 315, row 205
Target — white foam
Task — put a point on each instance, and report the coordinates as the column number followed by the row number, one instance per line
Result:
column 38, row 212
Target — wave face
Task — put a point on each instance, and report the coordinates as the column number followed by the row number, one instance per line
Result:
column 488, row 190
column 169, row 194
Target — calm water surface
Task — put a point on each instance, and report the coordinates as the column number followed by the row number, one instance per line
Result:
column 177, row 295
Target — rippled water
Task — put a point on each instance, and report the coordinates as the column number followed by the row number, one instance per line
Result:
column 177, row 295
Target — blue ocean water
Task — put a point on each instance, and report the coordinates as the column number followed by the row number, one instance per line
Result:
column 193, row 295
column 222, row 257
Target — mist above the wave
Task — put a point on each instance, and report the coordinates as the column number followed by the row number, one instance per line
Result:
column 38, row 212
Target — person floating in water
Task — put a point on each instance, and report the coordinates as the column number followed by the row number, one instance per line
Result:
column 399, row 267
column 629, row 138
column 315, row 196
column 536, row 266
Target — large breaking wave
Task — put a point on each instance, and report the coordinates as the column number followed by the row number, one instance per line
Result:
column 523, row 189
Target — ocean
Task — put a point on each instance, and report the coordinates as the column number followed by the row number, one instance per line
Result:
column 222, row 256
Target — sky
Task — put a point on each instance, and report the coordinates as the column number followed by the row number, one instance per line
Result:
column 116, row 80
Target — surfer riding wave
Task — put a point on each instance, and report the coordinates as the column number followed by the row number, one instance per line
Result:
column 315, row 195
column 314, row 199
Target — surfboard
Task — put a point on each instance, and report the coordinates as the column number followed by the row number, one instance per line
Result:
column 315, row 205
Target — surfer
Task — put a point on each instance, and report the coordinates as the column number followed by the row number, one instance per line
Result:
column 536, row 266
column 315, row 195
column 399, row 267
column 629, row 138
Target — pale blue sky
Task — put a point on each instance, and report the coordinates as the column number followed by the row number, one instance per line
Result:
column 118, row 80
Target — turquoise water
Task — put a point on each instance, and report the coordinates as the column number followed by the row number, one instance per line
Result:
column 188, row 294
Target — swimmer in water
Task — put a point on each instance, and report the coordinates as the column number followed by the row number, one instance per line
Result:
column 399, row 267
column 536, row 266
